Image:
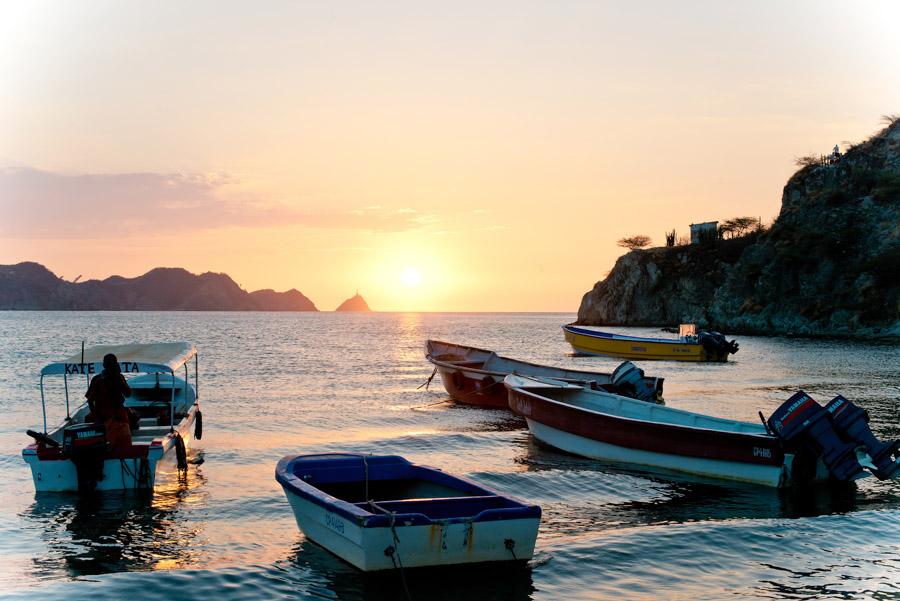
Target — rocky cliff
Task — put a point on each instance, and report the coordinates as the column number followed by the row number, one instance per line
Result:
column 354, row 303
column 31, row 286
column 830, row 264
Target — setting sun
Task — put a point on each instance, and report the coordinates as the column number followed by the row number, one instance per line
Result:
column 411, row 277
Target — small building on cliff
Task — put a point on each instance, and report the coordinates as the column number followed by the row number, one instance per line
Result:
column 703, row 231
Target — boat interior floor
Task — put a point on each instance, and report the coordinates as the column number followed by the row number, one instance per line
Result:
column 449, row 507
column 391, row 490
column 413, row 495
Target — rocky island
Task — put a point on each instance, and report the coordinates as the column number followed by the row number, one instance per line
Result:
column 31, row 286
column 355, row 303
column 829, row 264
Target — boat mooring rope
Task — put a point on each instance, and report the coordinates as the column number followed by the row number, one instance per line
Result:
column 511, row 545
column 392, row 552
column 140, row 475
column 417, row 407
column 366, row 467
column 427, row 382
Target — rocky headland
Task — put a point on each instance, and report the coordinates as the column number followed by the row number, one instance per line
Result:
column 829, row 264
column 31, row 286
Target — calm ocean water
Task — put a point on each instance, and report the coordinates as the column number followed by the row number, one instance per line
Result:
column 273, row 384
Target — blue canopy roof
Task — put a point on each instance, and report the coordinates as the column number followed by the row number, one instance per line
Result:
column 133, row 358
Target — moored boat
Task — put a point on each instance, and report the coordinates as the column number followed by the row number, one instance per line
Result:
column 381, row 512
column 165, row 412
column 474, row 376
column 689, row 346
column 604, row 426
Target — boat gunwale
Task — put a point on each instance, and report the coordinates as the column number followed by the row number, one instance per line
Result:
column 597, row 334
column 777, row 456
column 438, row 362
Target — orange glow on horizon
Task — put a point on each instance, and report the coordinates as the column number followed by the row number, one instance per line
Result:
column 479, row 158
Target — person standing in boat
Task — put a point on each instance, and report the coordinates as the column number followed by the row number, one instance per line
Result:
column 106, row 398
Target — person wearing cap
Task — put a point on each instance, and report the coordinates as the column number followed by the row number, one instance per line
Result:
column 106, row 398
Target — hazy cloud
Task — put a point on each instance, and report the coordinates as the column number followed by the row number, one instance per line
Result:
column 42, row 204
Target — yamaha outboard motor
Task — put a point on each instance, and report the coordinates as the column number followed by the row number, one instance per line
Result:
column 802, row 421
column 629, row 381
column 85, row 445
column 716, row 345
column 851, row 422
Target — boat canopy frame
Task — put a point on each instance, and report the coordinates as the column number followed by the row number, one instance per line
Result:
column 158, row 358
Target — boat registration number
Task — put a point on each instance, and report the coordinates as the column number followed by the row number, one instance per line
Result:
column 334, row 522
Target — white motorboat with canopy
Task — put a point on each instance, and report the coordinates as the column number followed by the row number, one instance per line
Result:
column 165, row 418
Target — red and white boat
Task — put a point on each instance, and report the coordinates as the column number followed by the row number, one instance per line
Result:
column 474, row 376
column 75, row 455
column 801, row 442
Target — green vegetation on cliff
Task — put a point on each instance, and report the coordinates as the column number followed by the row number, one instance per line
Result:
column 830, row 264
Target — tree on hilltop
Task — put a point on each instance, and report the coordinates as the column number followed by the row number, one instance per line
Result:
column 737, row 226
column 635, row 242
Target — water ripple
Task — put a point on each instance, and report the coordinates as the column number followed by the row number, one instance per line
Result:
column 274, row 384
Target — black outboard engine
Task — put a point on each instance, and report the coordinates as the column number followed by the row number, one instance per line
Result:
column 802, row 421
column 85, row 445
column 851, row 422
column 716, row 345
column 629, row 381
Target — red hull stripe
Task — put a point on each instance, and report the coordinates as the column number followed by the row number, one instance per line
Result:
column 648, row 436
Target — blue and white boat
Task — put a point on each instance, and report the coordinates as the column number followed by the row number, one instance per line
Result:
column 75, row 455
column 381, row 512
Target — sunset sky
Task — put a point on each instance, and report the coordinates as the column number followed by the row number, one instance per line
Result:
column 454, row 156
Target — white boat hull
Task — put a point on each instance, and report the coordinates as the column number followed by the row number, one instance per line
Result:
column 60, row 475
column 439, row 544
column 766, row 475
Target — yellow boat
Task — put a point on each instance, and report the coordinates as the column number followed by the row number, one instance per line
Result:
column 689, row 346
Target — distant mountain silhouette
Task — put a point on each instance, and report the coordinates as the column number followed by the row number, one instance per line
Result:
column 354, row 303
column 31, row 286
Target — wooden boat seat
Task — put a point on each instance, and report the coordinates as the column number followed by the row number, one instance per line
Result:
column 442, row 508
column 155, row 432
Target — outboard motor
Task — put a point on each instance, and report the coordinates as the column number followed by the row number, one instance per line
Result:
column 85, row 445
column 716, row 345
column 800, row 420
column 852, row 423
column 629, row 380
